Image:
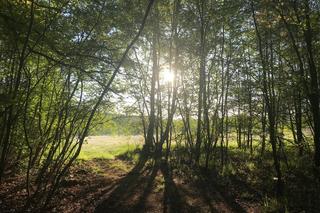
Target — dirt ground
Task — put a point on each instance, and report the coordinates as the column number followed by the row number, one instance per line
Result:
column 118, row 186
column 122, row 183
column 101, row 185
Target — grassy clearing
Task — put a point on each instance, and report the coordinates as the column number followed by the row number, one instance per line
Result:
column 109, row 147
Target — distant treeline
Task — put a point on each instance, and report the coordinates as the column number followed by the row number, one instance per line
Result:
column 118, row 125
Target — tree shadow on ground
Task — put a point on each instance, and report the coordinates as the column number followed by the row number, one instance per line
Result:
column 204, row 185
column 172, row 199
column 136, row 192
column 130, row 193
column 153, row 186
column 212, row 191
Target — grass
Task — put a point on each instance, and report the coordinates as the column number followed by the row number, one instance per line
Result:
column 109, row 147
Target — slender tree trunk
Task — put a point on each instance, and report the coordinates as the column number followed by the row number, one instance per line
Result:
column 202, row 73
column 155, row 70
column 298, row 120
column 269, row 98
column 314, row 88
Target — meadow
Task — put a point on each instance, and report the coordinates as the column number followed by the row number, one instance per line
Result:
column 109, row 146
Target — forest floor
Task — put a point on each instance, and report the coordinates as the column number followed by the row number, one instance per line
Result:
column 101, row 185
column 118, row 185
column 111, row 178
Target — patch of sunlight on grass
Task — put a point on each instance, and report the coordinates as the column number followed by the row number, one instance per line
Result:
column 119, row 165
column 228, row 169
column 251, row 166
column 160, row 183
column 108, row 147
column 272, row 205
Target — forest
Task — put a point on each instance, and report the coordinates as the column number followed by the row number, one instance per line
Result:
column 159, row 106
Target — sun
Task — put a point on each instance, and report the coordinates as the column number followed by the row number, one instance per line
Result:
column 167, row 76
